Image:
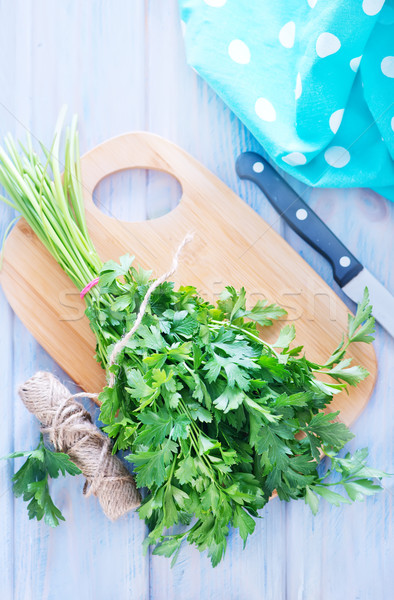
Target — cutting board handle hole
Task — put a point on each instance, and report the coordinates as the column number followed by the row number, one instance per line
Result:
column 137, row 194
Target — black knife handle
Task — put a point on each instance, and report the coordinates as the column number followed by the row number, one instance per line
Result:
column 299, row 215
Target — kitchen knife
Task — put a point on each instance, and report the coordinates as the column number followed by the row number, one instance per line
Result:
column 349, row 273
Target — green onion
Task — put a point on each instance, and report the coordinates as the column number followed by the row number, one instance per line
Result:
column 53, row 206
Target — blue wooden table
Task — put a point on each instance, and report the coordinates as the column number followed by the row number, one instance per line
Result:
column 121, row 66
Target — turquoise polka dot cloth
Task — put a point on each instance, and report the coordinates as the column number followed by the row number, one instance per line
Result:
column 313, row 80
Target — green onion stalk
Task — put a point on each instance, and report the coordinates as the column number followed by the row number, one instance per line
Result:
column 48, row 194
column 53, row 206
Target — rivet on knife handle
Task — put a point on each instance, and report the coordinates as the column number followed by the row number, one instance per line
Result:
column 299, row 215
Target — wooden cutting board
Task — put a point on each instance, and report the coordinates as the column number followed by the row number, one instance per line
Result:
column 232, row 245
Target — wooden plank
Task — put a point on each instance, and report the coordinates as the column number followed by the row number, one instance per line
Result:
column 6, row 446
column 7, row 468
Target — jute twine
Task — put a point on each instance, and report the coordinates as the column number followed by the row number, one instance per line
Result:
column 72, row 431
column 118, row 347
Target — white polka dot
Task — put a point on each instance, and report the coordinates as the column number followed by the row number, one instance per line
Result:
column 327, row 43
column 294, row 159
column 239, row 52
column 301, row 214
column 335, row 120
column 217, row 3
column 392, row 123
column 312, row 3
column 372, row 7
column 287, row 34
column 298, row 87
column 355, row 63
column 258, row 167
column 265, row 110
column 387, row 66
column 337, row 156
column 344, row 261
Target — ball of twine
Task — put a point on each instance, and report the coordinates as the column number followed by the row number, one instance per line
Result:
column 71, row 430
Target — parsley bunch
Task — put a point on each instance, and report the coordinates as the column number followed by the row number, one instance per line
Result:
column 214, row 417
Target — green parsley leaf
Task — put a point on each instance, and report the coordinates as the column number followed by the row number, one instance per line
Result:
column 329, row 495
column 352, row 375
column 363, row 319
column 244, row 522
column 31, row 481
column 329, row 432
column 230, row 399
column 286, row 336
column 311, row 499
column 264, row 313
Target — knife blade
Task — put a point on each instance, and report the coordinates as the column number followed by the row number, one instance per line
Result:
column 348, row 272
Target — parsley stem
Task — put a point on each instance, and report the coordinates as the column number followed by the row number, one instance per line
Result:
column 337, row 356
column 172, row 471
column 194, row 433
